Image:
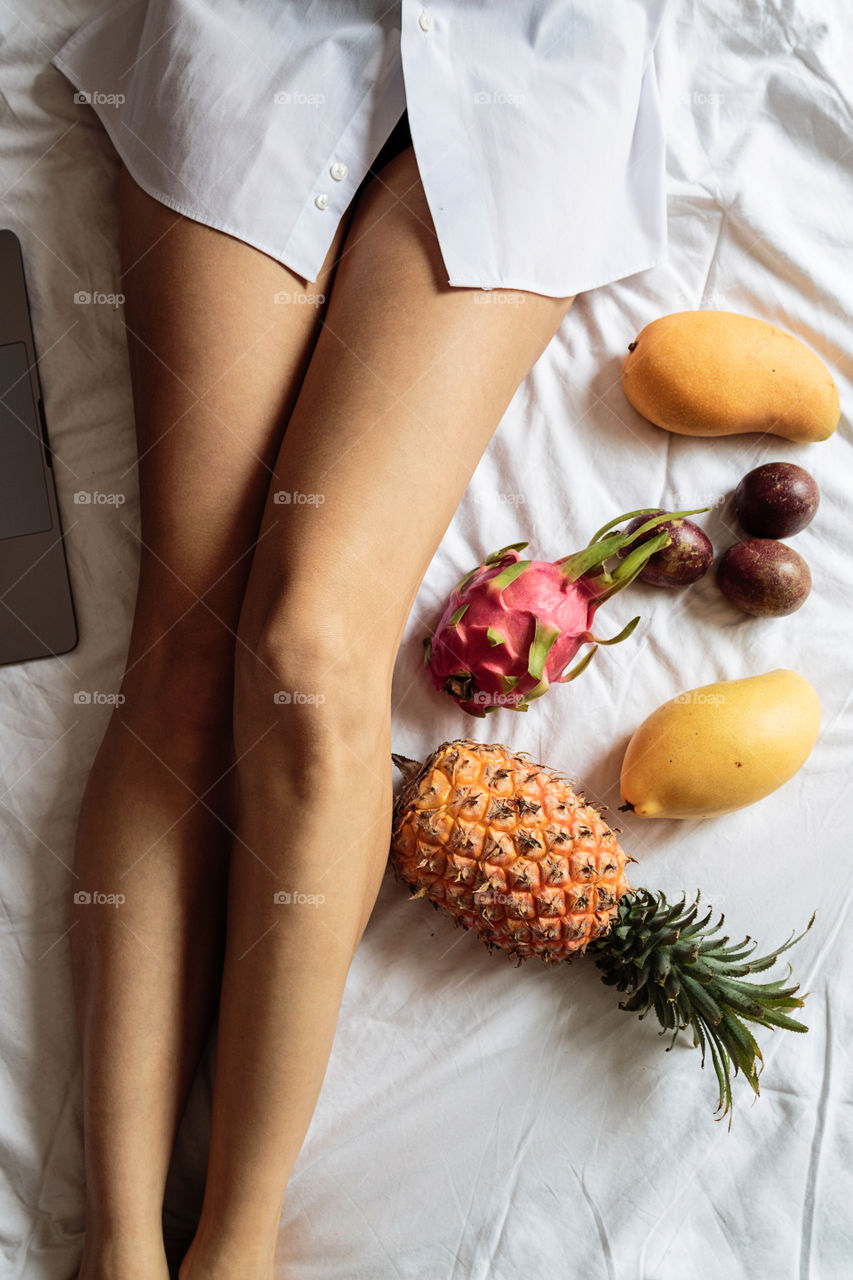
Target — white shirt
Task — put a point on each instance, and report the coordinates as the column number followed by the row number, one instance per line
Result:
column 536, row 124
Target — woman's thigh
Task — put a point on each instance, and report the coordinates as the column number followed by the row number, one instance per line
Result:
column 219, row 336
column 408, row 381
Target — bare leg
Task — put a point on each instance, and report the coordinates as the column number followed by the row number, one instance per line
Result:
column 407, row 384
column 216, row 367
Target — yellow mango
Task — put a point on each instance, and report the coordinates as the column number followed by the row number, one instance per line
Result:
column 721, row 747
column 717, row 373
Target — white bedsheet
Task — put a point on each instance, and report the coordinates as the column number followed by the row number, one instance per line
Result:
column 480, row 1121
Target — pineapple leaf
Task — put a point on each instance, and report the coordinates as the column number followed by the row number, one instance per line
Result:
column 701, row 1001
column 407, row 766
column 670, row 959
column 720, row 1059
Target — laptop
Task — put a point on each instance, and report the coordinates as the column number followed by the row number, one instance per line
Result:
column 37, row 617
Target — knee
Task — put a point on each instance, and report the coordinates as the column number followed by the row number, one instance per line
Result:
column 312, row 666
column 180, row 674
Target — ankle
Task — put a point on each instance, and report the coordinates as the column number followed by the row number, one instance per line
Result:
column 123, row 1258
column 227, row 1259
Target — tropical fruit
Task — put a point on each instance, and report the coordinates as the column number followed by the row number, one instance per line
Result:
column 512, row 626
column 509, row 849
column 721, row 747
column 764, row 577
column 717, row 373
column 514, row 854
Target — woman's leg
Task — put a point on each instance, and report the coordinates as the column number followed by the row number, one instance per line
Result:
column 216, row 364
column 408, row 381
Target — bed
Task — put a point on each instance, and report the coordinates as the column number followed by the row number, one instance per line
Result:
column 481, row 1121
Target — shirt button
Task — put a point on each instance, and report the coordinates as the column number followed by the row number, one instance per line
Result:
column 322, row 201
column 426, row 21
column 338, row 171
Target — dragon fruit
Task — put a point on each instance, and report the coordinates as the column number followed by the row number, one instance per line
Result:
column 512, row 626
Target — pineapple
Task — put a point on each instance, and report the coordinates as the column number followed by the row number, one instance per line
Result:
column 509, row 849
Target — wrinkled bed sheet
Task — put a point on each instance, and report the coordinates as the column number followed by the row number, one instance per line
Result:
column 480, row 1121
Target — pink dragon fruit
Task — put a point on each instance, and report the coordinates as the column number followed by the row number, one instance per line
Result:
column 512, row 626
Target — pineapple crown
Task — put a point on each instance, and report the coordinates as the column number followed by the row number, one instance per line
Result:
column 673, row 964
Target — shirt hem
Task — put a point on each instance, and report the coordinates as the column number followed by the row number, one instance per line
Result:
column 458, row 280
column 306, row 271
